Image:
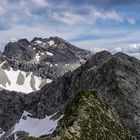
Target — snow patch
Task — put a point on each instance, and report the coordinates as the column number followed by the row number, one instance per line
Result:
column 38, row 81
column 37, row 57
column 51, row 65
column 36, row 127
column 51, row 42
column 67, row 65
column 49, row 80
column 13, row 77
column 48, row 63
column 38, row 42
column 49, row 53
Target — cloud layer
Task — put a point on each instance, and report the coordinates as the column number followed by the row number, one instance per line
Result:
column 90, row 24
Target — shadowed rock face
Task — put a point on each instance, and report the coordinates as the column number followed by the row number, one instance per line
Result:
column 19, row 51
column 11, row 108
column 20, row 79
column 3, row 78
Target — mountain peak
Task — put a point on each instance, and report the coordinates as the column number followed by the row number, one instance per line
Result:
column 24, row 41
column 19, row 51
column 38, row 62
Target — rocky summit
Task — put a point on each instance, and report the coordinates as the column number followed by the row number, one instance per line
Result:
column 106, row 108
column 27, row 66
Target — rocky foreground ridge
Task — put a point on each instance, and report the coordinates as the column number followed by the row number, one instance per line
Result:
column 87, row 117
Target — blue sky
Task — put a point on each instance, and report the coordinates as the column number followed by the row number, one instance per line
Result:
column 95, row 25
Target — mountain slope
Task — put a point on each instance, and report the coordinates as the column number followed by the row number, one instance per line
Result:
column 115, row 77
column 27, row 66
column 87, row 117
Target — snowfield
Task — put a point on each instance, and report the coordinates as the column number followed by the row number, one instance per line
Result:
column 19, row 81
column 38, row 42
column 49, row 53
column 36, row 127
column 51, row 42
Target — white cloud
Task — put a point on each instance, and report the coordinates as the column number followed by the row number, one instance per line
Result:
column 95, row 50
column 40, row 2
column 67, row 18
column 2, row 10
column 111, row 15
column 134, row 46
column 71, row 18
column 131, row 21
column 118, row 49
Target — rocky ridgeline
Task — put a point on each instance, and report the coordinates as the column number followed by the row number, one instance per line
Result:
column 87, row 117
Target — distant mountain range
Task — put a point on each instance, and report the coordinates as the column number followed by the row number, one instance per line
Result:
column 87, row 97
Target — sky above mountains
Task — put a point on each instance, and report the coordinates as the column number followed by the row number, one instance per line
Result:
column 91, row 24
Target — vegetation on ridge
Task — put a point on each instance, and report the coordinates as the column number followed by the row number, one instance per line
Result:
column 87, row 117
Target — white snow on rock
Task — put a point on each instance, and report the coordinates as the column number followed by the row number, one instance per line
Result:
column 51, row 65
column 37, row 57
column 49, row 80
column 48, row 63
column 38, row 81
column 38, row 42
column 49, row 53
column 51, row 42
column 42, row 53
column 67, row 65
column 36, row 127
column 9, row 80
